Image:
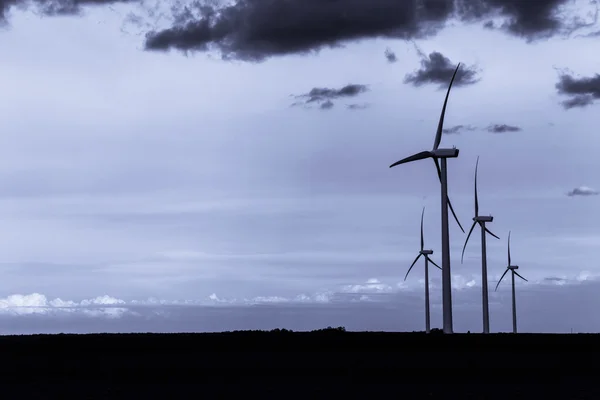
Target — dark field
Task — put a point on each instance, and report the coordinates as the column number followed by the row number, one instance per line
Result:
column 284, row 364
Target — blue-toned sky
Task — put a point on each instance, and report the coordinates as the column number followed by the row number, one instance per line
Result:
column 158, row 160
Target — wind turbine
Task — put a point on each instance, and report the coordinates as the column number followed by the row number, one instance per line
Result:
column 513, row 269
column 481, row 220
column 425, row 254
column 442, row 155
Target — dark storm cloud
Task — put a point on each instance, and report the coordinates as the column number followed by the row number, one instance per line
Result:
column 55, row 7
column 582, row 91
column 390, row 56
column 438, row 69
column 502, row 128
column 324, row 96
column 328, row 105
column 578, row 101
column 458, row 129
column 253, row 30
column 583, row 191
column 529, row 20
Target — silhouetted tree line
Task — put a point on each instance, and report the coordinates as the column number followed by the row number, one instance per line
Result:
column 329, row 329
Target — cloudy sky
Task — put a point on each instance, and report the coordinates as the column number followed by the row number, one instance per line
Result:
column 210, row 165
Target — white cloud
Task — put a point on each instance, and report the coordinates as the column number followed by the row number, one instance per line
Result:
column 585, row 276
column 268, row 299
column 460, row 282
column 101, row 300
column 321, row 297
column 24, row 304
column 216, row 299
column 303, row 298
column 372, row 285
column 112, row 312
column 36, row 303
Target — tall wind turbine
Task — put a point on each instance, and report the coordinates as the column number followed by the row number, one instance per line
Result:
column 481, row 220
column 513, row 269
column 425, row 254
column 442, row 155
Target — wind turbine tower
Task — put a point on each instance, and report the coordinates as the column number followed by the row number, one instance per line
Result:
column 512, row 269
column 481, row 220
column 440, row 156
column 425, row 254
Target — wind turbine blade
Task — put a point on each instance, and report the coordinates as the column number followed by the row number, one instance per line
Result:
column 439, row 172
column 501, row 279
column 415, row 157
column 412, row 265
column 455, row 217
column 422, row 240
column 490, row 232
column 468, row 236
column 517, row 274
column 438, row 135
column 431, row 261
column 509, row 248
column 476, row 202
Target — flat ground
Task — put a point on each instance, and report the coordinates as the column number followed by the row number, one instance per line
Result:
column 285, row 364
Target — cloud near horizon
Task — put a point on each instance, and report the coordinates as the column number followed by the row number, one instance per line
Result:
column 108, row 306
column 36, row 303
column 373, row 305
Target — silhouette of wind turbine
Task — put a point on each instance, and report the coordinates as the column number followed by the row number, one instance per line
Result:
column 513, row 269
column 443, row 155
column 425, row 254
column 481, row 220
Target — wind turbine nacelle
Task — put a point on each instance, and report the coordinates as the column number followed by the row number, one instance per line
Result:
column 513, row 267
column 426, row 252
column 445, row 153
column 487, row 218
